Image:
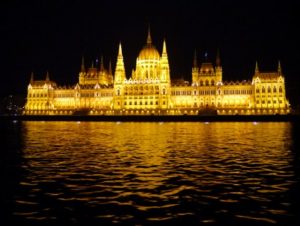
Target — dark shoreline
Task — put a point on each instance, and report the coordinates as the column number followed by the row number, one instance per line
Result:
column 158, row 118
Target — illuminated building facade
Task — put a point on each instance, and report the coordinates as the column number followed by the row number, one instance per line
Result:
column 150, row 91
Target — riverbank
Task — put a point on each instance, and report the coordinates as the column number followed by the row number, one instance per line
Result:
column 157, row 118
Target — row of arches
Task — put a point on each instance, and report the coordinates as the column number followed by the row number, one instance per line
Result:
column 269, row 89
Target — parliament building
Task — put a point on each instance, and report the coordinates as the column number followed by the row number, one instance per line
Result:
column 150, row 91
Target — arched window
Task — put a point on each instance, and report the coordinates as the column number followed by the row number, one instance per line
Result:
column 274, row 89
column 212, row 82
column 257, row 90
column 164, row 91
column 280, row 89
column 206, row 83
column 201, row 83
column 263, row 90
column 269, row 89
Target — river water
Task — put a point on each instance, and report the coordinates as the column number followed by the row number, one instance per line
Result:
column 122, row 173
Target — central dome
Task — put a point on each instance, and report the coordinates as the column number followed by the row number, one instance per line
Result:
column 149, row 52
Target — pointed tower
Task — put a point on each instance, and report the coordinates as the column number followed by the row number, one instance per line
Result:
column 279, row 67
column 149, row 39
column 218, row 59
column 256, row 68
column 31, row 78
column 195, row 61
column 110, row 74
column 109, row 68
column 219, row 71
column 82, row 64
column 120, row 69
column 165, row 75
column 195, row 68
column 82, row 72
column 47, row 77
column 101, row 64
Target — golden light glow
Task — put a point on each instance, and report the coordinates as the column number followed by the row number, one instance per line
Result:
column 150, row 91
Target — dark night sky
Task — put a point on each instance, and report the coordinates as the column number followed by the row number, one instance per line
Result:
column 52, row 36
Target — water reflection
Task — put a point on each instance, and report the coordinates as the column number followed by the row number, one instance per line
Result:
column 156, row 173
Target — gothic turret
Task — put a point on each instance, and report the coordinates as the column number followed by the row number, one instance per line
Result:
column 165, row 76
column 256, row 68
column 47, row 77
column 279, row 67
column 195, row 68
column 82, row 65
column 219, row 73
column 120, row 70
column 31, row 78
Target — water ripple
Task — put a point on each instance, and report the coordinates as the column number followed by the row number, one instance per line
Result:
column 150, row 173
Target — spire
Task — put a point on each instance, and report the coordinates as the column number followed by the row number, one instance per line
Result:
column 149, row 40
column 31, row 78
column 82, row 64
column 101, row 64
column 47, row 77
column 164, row 50
column 218, row 59
column 256, row 68
column 120, row 69
column 120, row 54
column 109, row 68
column 195, row 58
column 279, row 67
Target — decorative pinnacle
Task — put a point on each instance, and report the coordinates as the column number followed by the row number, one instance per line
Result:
column 279, row 66
column 31, row 78
column 195, row 58
column 109, row 68
column 218, row 59
column 82, row 64
column 256, row 67
column 120, row 51
column 101, row 64
column 164, row 51
column 149, row 40
column 47, row 76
